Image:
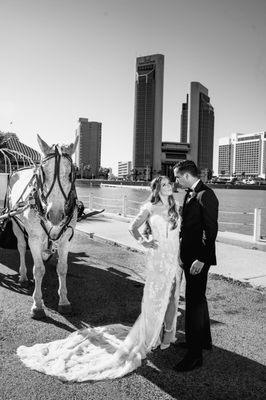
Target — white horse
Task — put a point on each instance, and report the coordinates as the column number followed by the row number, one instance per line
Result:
column 48, row 197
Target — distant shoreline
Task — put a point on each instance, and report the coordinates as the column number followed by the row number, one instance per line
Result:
column 126, row 186
column 229, row 186
column 146, row 185
column 99, row 182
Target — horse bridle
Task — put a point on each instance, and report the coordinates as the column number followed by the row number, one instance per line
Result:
column 70, row 198
column 57, row 155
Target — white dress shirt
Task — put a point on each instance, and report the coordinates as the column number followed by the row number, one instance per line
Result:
column 194, row 184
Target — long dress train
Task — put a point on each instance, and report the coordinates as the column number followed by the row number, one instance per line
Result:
column 111, row 351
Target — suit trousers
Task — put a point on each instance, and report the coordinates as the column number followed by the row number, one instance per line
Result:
column 197, row 321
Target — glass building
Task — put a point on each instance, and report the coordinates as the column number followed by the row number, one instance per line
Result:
column 201, row 127
column 184, row 122
column 148, row 115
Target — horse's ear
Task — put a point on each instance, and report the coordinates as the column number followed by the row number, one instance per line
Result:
column 72, row 147
column 43, row 146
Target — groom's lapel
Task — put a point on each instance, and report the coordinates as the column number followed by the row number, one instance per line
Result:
column 199, row 187
column 194, row 194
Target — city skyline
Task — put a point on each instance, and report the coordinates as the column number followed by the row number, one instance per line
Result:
column 65, row 59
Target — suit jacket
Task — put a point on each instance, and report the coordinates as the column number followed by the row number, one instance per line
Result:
column 199, row 226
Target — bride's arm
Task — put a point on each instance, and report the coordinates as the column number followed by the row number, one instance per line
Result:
column 139, row 220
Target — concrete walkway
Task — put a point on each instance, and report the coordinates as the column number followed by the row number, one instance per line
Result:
column 237, row 261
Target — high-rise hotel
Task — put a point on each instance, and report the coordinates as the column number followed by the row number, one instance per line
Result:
column 148, row 114
column 243, row 154
column 88, row 152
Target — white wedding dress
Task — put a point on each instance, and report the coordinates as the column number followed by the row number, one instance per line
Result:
column 112, row 351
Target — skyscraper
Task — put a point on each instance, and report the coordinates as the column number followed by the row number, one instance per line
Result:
column 88, row 154
column 148, row 115
column 184, row 121
column 201, row 127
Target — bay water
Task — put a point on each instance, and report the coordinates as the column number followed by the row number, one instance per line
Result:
column 236, row 206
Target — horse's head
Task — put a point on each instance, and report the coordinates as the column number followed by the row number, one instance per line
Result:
column 57, row 177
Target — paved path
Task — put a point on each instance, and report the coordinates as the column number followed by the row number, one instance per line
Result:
column 104, row 286
column 234, row 262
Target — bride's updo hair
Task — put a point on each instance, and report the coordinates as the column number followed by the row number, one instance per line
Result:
column 155, row 198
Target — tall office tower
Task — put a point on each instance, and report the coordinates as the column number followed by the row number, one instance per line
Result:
column 245, row 154
column 88, row 154
column 148, row 115
column 201, row 127
column 184, row 120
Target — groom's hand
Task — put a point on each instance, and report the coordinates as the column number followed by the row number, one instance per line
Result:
column 196, row 267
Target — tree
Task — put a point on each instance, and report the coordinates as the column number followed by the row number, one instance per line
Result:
column 103, row 173
column 134, row 174
column 209, row 174
column 4, row 138
column 87, row 171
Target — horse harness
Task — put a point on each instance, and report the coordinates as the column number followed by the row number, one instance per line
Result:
column 37, row 199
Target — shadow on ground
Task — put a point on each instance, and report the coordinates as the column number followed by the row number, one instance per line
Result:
column 98, row 296
column 106, row 296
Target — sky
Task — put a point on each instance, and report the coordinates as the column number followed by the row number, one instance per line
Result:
column 65, row 59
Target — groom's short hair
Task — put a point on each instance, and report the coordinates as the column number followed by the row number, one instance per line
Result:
column 187, row 166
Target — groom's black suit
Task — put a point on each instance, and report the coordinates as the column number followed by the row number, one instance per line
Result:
column 197, row 242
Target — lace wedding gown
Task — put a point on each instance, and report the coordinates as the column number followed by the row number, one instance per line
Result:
column 112, row 351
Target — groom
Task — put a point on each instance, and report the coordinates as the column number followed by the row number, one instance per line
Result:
column 197, row 253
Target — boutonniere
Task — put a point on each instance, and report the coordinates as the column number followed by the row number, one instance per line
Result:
column 193, row 194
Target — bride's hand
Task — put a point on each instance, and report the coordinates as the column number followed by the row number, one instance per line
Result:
column 150, row 244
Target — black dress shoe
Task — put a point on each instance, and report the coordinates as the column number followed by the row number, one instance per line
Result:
column 207, row 346
column 188, row 363
column 183, row 345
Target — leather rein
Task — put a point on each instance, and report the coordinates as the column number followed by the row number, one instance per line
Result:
column 39, row 198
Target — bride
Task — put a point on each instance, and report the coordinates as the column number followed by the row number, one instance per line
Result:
column 111, row 351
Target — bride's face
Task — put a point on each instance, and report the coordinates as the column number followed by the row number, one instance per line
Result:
column 166, row 187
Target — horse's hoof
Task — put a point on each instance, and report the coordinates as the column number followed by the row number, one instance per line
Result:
column 65, row 309
column 38, row 313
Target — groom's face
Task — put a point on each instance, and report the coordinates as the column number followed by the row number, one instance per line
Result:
column 182, row 179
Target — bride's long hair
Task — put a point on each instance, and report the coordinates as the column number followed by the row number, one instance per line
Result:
column 155, row 198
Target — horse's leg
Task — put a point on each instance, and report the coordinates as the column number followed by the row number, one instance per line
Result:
column 22, row 251
column 37, row 311
column 64, row 306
